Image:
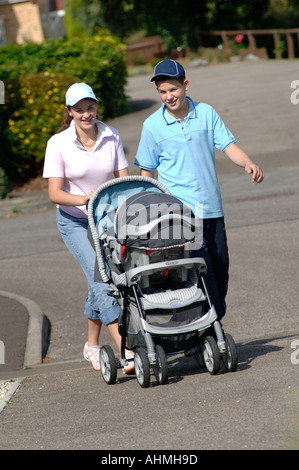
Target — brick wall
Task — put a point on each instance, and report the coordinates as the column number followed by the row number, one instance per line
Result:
column 22, row 22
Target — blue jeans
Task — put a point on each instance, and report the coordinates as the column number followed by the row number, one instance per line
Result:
column 99, row 304
column 215, row 253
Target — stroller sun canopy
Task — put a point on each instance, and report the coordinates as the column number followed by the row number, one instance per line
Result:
column 134, row 210
column 154, row 220
column 108, row 200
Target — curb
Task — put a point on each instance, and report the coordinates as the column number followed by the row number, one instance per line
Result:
column 24, row 204
column 14, row 385
column 38, row 332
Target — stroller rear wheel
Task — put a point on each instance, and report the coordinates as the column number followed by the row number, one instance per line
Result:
column 211, row 355
column 230, row 359
column 142, row 367
column 161, row 367
column 108, row 364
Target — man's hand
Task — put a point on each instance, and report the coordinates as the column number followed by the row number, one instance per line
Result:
column 257, row 172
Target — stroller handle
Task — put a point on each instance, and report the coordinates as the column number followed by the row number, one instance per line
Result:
column 125, row 179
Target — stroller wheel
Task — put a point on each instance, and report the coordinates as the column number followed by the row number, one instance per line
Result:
column 161, row 367
column 108, row 364
column 142, row 367
column 230, row 359
column 211, row 355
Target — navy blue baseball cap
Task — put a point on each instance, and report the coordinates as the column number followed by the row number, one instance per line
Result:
column 168, row 68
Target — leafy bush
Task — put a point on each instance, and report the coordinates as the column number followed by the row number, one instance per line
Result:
column 35, row 111
column 36, row 77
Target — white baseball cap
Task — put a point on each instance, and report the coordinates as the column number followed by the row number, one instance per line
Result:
column 77, row 92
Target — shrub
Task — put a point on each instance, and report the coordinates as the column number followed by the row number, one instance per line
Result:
column 37, row 105
column 36, row 77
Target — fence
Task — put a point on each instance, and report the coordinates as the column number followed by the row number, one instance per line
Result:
column 276, row 33
column 152, row 47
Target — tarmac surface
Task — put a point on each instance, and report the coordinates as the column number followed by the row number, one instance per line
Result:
column 61, row 403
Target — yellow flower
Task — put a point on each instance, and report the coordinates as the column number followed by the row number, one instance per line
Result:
column 21, row 135
column 11, row 122
column 16, row 113
column 27, row 141
column 31, row 136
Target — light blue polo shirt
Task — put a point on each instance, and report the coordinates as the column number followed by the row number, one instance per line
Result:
column 184, row 156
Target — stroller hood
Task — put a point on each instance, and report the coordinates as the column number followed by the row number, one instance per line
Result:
column 103, row 205
column 137, row 211
column 153, row 220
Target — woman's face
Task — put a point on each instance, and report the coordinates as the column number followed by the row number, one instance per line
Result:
column 84, row 113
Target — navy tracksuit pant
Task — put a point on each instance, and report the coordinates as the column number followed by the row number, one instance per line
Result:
column 215, row 253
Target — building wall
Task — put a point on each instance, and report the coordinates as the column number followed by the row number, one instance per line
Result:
column 22, row 22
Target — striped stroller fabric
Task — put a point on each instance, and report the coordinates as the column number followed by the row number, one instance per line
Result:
column 170, row 296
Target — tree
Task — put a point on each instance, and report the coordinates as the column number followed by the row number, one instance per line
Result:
column 177, row 21
column 235, row 14
column 87, row 16
column 282, row 14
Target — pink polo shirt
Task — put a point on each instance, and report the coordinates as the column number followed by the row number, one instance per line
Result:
column 83, row 170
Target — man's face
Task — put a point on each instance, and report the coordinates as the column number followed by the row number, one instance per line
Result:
column 173, row 95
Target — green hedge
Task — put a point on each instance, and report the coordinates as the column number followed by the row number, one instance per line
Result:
column 36, row 77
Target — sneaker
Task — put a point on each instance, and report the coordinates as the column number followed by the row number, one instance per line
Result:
column 130, row 367
column 92, row 354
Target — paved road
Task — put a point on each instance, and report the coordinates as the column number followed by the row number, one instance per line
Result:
column 64, row 405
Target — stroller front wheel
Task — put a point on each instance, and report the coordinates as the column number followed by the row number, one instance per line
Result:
column 108, row 364
column 230, row 359
column 161, row 368
column 211, row 355
column 142, row 367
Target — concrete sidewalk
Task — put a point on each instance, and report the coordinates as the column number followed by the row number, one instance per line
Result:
column 64, row 404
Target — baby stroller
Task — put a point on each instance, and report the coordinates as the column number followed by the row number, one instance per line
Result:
column 143, row 237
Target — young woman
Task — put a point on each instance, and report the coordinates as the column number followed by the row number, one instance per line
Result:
column 84, row 154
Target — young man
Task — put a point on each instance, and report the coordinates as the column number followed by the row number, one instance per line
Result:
column 178, row 141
